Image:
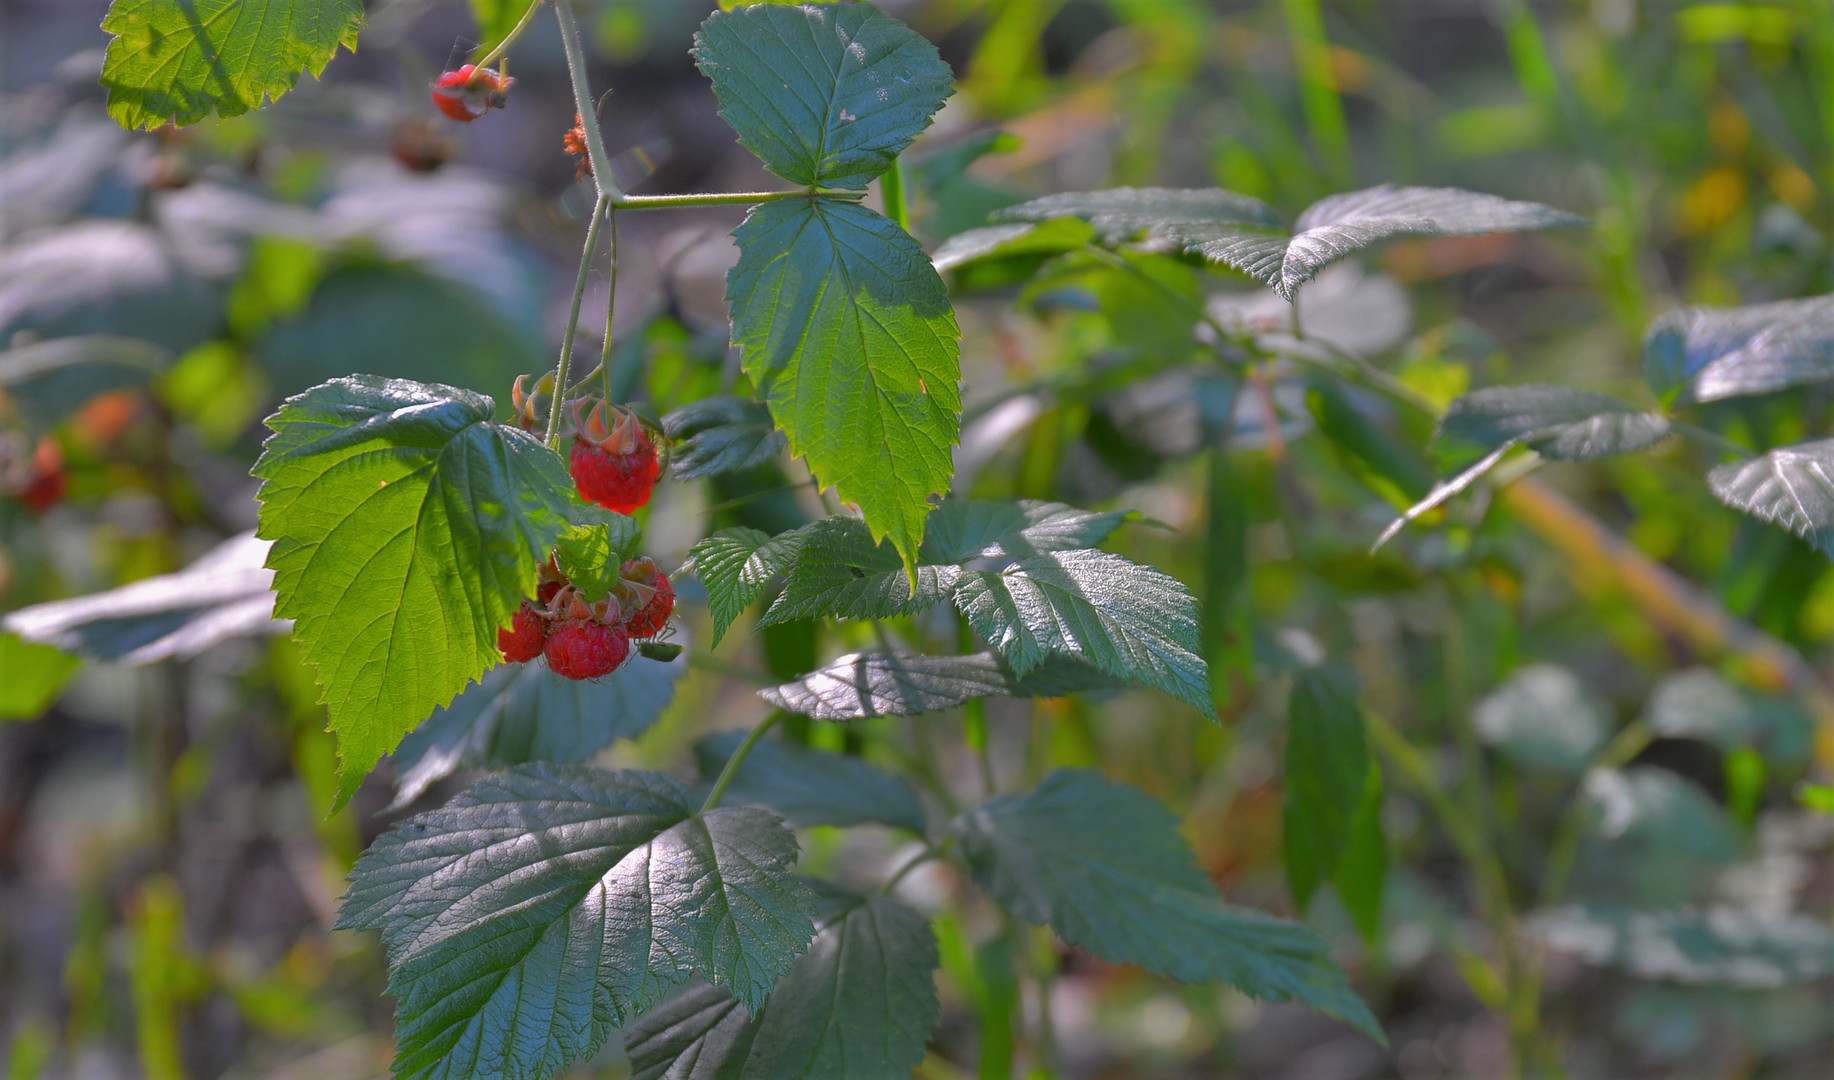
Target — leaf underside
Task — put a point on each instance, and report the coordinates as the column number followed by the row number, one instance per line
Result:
column 1559, row 422
column 178, row 60
column 862, row 685
column 1792, row 486
column 1710, row 354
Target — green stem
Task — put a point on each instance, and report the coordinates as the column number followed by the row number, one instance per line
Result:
column 599, row 210
column 611, row 303
column 891, row 189
column 726, row 198
column 738, row 758
column 508, row 39
column 584, row 102
column 1631, row 741
column 930, row 853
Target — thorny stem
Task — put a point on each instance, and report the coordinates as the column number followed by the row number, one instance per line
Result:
column 508, row 40
column 583, row 103
column 599, row 210
column 738, row 758
column 727, row 198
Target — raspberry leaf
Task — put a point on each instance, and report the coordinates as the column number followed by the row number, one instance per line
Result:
column 1128, row 620
column 862, row 685
column 963, row 529
column 407, row 529
column 1558, row 421
column 1709, row 354
column 840, row 572
column 592, row 555
column 811, row 787
column 1790, row 486
column 720, row 434
column 846, row 329
column 1332, row 827
column 543, row 907
column 737, row 565
column 825, row 94
column 520, row 713
column 1104, row 865
column 177, row 60
column 858, row 1006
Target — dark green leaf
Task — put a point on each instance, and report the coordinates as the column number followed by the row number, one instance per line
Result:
column 1330, row 777
column 1709, row 354
column 963, row 529
column 1558, row 421
column 846, row 330
column 721, row 434
column 858, row 1006
column 1104, row 865
column 176, row 60
column 1228, row 630
column 1130, row 621
column 826, row 94
column 736, row 565
column 1790, row 486
column 543, row 907
column 521, row 713
column 812, row 787
column 407, row 529
column 1544, row 719
column 841, row 573
column 226, row 593
column 884, row 684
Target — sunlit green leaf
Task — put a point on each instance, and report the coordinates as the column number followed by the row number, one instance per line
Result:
column 963, row 529
column 737, row 565
column 841, row 573
column 35, row 676
column 862, row 685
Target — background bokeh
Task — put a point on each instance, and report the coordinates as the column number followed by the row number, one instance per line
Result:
column 168, row 876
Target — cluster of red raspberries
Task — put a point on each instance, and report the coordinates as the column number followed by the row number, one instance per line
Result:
column 585, row 639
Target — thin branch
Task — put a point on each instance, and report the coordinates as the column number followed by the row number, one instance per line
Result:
column 599, row 210
column 738, row 758
column 583, row 102
column 508, row 40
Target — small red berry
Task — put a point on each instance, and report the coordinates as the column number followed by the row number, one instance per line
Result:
column 522, row 640
column 45, row 480
column 649, row 615
column 586, row 649
column 470, row 92
column 615, row 464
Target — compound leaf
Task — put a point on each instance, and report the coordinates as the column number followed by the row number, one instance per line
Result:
column 176, row 60
column 736, row 565
column 858, row 1006
column 520, row 713
column 840, row 572
column 862, row 685
column 1128, row 620
column 812, row 787
column 1558, row 421
column 720, row 434
column 544, row 906
column 407, row 528
column 825, row 94
column 962, row 529
column 846, row 329
column 1792, row 486
column 1104, row 865
column 1708, row 354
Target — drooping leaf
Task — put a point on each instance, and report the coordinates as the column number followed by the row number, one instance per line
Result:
column 407, row 529
column 962, row 529
column 1011, row 240
column 811, row 787
column 1792, row 486
column 846, row 330
column 1543, row 718
column 1336, row 226
column 226, row 593
column 862, row 685
column 1714, row 946
column 841, row 573
column 1699, row 704
column 547, row 905
column 736, row 565
column 1709, row 354
column 1103, row 864
column 1127, row 620
column 520, row 713
column 825, row 94
column 1330, row 775
column 35, row 676
column 177, row 60
column 592, row 555
column 721, row 434
column 1558, row 421
column 858, row 1006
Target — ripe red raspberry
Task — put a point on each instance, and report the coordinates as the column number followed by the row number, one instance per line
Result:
column 648, row 615
column 616, row 466
column 522, row 640
column 470, row 92
column 586, row 649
